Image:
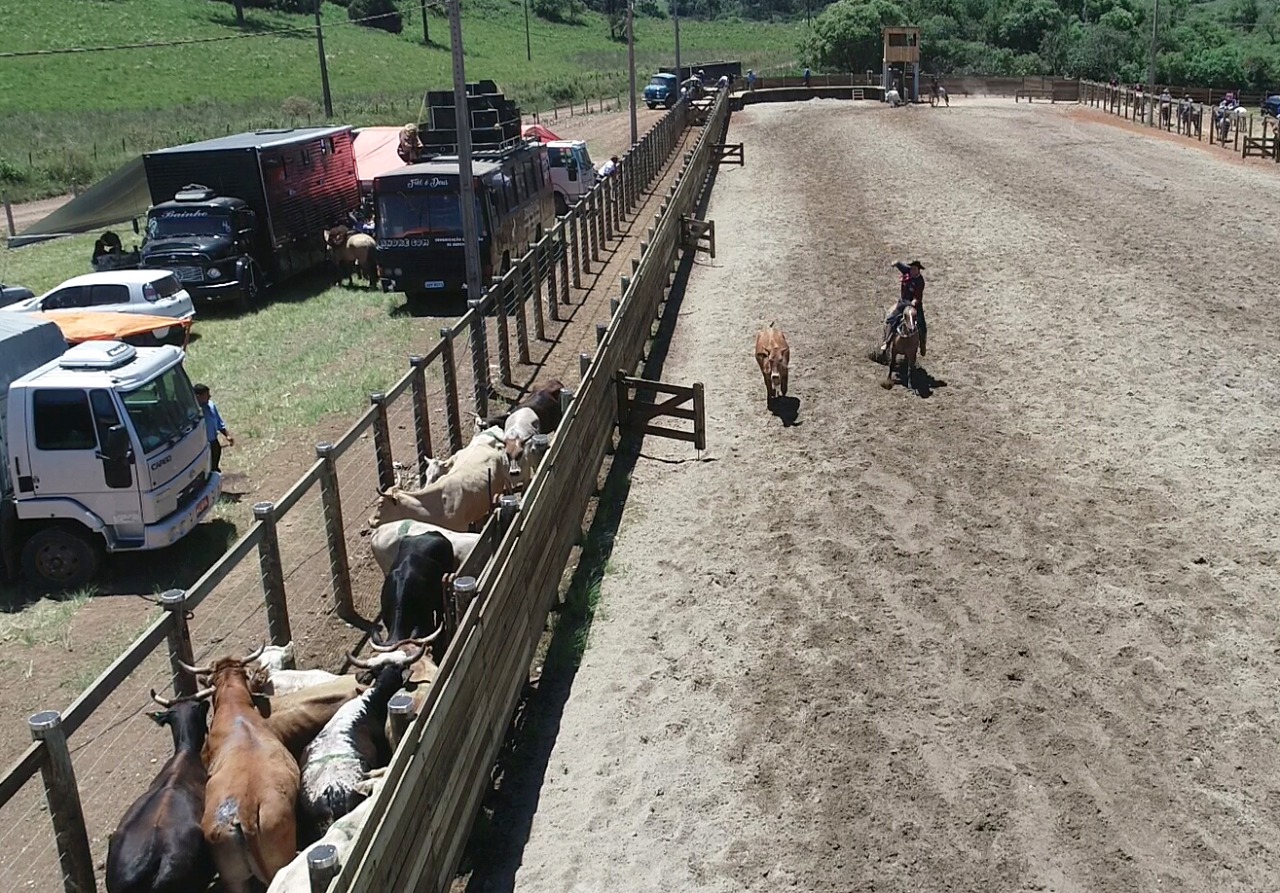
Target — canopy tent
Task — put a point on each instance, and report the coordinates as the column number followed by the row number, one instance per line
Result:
column 120, row 197
column 134, row 328
column 537, row 132
column 375, row 149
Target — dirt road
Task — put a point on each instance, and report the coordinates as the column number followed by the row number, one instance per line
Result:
column 1019, row 635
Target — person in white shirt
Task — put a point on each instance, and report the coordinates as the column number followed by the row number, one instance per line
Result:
column 609, row 166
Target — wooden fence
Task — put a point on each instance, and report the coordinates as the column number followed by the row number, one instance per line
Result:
column 1256, row 134
column 269, row 571
column 1061, row 89
column 414, row 837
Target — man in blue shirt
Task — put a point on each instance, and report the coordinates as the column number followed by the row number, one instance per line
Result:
column 213, row 426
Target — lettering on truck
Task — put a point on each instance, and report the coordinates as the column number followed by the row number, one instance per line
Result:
column 160, row 463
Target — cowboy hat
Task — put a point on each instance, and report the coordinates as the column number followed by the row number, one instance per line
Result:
column 916, row 264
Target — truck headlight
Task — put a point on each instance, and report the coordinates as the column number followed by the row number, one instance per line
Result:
column 213, row 273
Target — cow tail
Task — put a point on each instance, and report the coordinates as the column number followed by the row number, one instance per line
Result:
column 257, row 865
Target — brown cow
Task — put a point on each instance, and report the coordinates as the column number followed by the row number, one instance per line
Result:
column 773, row 355
column 249, row 814
column 297, row 717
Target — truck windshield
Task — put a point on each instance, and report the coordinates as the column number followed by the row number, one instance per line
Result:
column 188, row 222
column 660, row 81
column 405, row 214
column 164, row 410
column 583, row 157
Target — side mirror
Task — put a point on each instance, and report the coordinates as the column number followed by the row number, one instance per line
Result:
column 135, row 226
column 116, row 447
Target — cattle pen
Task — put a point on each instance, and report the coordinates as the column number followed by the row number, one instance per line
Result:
column 512, row 575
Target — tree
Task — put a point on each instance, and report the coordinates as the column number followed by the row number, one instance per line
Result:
column 376, row 14
column 847, row 35
column 1024, row 26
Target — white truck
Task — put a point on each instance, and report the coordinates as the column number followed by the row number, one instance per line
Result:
column 102, row 448
column 572, row 173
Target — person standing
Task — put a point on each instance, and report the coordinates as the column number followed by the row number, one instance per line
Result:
column 213, row 426
column 751, row 79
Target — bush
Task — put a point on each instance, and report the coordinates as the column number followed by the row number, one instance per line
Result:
column 388, row 17
column 299, row 107
column 11, row 173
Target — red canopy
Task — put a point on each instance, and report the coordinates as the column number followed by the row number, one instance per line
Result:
column 537, row 132
column 375, row 149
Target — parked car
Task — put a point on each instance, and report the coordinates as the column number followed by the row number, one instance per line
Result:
column 663, row 89
column 152, row 292
column 12, row 294
column 1271, row 106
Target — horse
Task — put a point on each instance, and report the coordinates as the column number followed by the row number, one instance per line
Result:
column 1222, row 124
column 904, row 342
column 351, row 252
column 939, row 92
column 1166, row 114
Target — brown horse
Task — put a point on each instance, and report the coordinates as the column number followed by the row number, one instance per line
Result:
column 904, row 342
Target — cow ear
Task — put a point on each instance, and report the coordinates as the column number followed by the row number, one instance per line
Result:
column 161, row 717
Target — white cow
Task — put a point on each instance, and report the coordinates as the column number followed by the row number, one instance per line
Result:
column 386, row 540
column 464, row 494
column 294, row 877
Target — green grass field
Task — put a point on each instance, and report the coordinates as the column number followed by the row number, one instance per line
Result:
column 80, row 116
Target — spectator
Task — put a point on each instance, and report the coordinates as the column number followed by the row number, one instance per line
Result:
column 808, row 75
column 213, row 426
column 751, row 79
column 609, row 166
column 723, row 83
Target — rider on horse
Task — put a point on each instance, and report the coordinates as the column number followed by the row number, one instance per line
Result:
column 912, row 283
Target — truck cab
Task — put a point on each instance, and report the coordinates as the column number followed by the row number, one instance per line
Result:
column 104, row 448
column 663, row 90
column 208, row 242
column 572, row 173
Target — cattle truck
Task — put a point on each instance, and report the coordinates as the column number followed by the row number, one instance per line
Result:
column 236, row 215
column 102, row 449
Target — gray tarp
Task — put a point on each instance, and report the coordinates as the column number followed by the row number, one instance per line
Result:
column 118, row 198
column 25, row 344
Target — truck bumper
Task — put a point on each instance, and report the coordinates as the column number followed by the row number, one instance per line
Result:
column 179, row 524
column 217, row 293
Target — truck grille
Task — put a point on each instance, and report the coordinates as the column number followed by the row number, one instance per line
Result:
column 189, row 274
column 192, row 490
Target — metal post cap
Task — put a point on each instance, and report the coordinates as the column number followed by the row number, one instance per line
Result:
column 263, row 509
column 44, row 722
column 509, row 501
column 541, row 441
column 400, row 704
column 464, row 584
column 322, row 857
column 173, row 598
column 474, row 302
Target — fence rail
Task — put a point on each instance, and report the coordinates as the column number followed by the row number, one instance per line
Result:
column 323, row 516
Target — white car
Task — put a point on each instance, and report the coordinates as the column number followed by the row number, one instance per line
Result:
column 150, row 292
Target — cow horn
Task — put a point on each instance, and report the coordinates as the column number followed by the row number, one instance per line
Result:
column 196, row 671
column 378, row 644
column 255, row 655
column 163, row 702
column 358, row 662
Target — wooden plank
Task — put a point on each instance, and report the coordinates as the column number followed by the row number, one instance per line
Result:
column 405, row 382
column 110, row 678
column 643, row 413
column 22, row 771
column 688, row 436
column 661, row 387
column 299, row 489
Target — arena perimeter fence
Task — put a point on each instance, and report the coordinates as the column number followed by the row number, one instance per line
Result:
column 1146, row 108
column 313, row 540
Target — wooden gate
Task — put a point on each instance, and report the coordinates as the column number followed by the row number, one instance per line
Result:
column 700, row 235
column 635, row 417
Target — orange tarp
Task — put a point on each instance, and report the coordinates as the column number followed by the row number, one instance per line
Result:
column 537, row 132
column 89, row 325
column 375, row 149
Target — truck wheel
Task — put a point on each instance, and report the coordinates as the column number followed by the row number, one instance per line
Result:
column 60, row 558
column 651, row 105
column 562, row 206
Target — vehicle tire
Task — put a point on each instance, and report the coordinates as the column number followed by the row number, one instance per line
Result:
column 61, row 558
column 651, row 105
column 562, row 206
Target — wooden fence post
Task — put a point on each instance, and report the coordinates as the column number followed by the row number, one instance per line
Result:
column 508, row 506
column 597, row 224
column 421, row 413
column 400, row 710
column 518, row 288
column 272, row 575
column 538, row 448
column 63, row 797
column 175, row 602
column 464, row 592
column 566, row 400
column 500, row 290
column 8, row 213
column 335, row 535
column 553, row 287
column 480, row 356
column 574, row 246
column 562, row 252
column 537, row 273
column 449, row 371
column 322, row 866
column 584, row 364
column 382, row 442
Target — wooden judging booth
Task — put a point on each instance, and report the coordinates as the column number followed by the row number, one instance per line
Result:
column 901, row 63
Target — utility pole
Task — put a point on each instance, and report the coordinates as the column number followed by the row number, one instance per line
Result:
column 426, row 26
column 631, row 64
column 528, row 49
column 675, row 14
column 324, row 66
column 1151, row 69
column 462, row 116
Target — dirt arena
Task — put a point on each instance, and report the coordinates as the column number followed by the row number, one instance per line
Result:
column 1017, row 635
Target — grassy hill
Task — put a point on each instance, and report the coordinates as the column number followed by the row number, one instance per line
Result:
column 80, row 115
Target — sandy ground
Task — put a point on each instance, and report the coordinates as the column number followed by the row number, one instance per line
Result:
column 1019, row 635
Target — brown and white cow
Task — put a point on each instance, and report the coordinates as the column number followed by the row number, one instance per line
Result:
column 773, row 356
column 464, row 495
column 297, row 717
